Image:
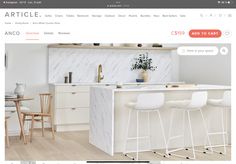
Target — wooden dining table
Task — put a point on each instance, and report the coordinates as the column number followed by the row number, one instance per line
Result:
column 18, row 110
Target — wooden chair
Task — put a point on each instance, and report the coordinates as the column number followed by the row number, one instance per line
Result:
column 6, row 131
column 46, row 111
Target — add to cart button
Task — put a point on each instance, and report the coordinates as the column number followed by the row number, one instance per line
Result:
column 205, row 33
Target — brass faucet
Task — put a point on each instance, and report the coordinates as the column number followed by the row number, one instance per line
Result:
column 100, row 76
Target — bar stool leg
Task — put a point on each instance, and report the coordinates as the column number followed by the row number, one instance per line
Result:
column 170, row 126
column 191, row 135
column 226, row 127
column 149, row 132
column 171, row 152
column 163, row 132
column 206, row 131
column 127, row 133
column 184, row 113
column 137, row 148
column 223, row 130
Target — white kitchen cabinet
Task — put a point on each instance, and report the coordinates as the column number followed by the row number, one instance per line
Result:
column 72, row 116
column 71, row 88
column 70, row 107
column 72, row 100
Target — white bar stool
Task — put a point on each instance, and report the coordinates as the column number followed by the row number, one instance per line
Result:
column 224, row 104
column 148, row 102
column 197, row 101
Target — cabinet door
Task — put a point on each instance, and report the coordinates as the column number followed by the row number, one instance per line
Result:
column 72, row 100
column 71, row 88
column 72, row 116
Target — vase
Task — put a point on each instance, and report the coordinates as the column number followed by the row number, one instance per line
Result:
column 145, row 75
column 20, row 90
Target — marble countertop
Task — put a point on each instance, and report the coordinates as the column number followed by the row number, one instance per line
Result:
column 199, row 87
column 111, row 83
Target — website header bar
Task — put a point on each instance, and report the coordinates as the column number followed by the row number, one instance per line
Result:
column 117, row 4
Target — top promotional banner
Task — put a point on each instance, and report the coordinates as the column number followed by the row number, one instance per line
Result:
column 117, row 4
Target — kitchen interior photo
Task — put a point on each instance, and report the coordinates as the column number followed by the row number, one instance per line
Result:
column 117, row 101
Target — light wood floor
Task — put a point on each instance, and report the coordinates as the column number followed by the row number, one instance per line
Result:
column 75, row 146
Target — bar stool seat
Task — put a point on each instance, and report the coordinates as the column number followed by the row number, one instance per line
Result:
column 224, row 102
column 215, row 102
column 133, row 104
column 148, row 102
column 178, row 104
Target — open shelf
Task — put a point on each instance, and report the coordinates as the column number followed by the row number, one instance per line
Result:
column 110, row 47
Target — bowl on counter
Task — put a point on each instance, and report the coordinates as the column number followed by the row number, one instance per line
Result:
column 139, row 80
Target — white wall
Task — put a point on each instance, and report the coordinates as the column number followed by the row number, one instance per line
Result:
column 27, row 63
column 205, row 69
column 175, row 66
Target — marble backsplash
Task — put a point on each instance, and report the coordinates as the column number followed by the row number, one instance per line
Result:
column 116, row 65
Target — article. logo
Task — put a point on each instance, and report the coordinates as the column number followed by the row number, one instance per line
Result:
column 14, row 33
column 21, row 14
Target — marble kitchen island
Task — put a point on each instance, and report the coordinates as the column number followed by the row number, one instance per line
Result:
column 109, row 116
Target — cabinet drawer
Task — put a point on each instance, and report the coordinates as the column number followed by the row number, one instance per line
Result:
column 72, row 100
column 72, row 116
column 72, row 88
